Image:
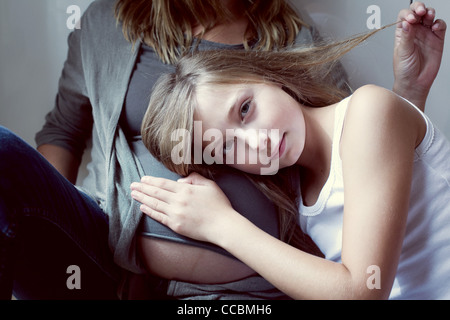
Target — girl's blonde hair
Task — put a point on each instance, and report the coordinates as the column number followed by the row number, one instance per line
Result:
column 167, row 26
column 304, row 73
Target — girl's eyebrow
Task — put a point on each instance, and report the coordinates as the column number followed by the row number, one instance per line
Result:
column 230, row 114
column 236, row 98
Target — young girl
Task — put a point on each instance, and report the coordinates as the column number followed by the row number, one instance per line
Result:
column 374, row 180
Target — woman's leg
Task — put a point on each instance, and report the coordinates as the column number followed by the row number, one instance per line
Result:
column 47, row 226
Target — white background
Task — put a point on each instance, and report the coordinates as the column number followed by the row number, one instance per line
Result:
column 33, row 47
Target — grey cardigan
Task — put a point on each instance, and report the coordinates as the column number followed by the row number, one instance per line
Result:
column 90, row 97
column 89, row 102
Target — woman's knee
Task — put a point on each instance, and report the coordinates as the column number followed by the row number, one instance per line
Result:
column 18, row 164
column 17, row 157
column 10, row 156
column 10, row 146
column 7, row 135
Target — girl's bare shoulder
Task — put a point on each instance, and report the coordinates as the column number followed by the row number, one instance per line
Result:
column 372, row 100
column 377, row 114
column 372, row 105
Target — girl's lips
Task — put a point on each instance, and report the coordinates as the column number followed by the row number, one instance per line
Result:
column 282, row 147
column 279, row 149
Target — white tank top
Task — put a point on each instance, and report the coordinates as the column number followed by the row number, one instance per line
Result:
column 424, row 267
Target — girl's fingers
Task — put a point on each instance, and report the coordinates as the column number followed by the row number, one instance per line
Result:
column 153, row 207
column 155, row 215
column 150, row 202
column 161, row 183
column 196, row 179
column 152, row 191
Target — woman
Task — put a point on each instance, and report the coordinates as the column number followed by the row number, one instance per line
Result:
column 47, row 224
column 373, row 177
column 104, row 92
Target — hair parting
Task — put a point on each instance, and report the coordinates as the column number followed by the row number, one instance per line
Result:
column 167, row 26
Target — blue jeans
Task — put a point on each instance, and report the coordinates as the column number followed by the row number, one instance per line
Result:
column 47, row 226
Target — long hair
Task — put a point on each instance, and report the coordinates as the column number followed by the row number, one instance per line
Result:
column 166, row 26
column 301, row 72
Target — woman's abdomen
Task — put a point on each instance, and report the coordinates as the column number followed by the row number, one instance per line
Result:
column 176, row 261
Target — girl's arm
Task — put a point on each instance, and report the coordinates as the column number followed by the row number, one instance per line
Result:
column 377, row 150
column 198, row 209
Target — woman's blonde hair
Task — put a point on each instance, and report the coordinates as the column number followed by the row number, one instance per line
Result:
column 304, row 73
column 167, row 26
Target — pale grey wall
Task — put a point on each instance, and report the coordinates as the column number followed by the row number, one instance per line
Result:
column 33, row 47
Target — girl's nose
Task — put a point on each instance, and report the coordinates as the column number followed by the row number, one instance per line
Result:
column 256, row 139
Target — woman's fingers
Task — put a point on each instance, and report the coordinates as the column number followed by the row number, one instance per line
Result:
column 418, row 7
column 418, row 13
column 439, row 28
column 428, row 18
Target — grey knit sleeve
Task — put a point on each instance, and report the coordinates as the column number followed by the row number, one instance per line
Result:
column 69, row 124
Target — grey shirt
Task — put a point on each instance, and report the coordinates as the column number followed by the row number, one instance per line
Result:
column 91, row 95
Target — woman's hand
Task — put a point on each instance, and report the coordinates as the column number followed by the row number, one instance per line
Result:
column 419, row 44
column 193, row 206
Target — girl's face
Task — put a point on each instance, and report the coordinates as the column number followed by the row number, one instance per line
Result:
column 262, row 127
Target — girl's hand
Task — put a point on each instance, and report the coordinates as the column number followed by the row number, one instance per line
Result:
column 193, row 206
column 419, row 45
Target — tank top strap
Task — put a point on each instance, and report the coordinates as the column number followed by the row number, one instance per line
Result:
column 335, row 166
column 339, row 120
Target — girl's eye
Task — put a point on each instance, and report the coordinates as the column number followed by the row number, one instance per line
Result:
column 245, row 108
